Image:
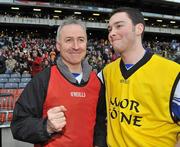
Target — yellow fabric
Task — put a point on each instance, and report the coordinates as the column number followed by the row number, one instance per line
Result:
column 138, row 108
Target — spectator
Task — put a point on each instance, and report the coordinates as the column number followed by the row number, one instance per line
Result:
column 10, row 64
column 36, row 63
column 52, row 57
column 2, row 62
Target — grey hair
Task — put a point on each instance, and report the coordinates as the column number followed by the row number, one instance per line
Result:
column 68, row 21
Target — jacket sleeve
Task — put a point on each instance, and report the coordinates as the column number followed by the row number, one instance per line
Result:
column 100, row 130
column 27, row 123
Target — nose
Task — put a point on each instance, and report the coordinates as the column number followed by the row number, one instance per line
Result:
column 113, row 31
column 112, row 34
column 76, row 44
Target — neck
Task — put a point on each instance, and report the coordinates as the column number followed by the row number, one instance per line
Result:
column 73, row 68
column 133, row 55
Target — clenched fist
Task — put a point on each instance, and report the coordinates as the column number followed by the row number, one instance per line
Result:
column 56, row 119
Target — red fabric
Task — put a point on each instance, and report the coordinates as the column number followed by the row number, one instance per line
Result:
column 81, row 110
column 36, row 65
column 24, row 44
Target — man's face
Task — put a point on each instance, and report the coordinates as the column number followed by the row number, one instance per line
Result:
column 35, row 54
column 121, row 32
column 72, row 44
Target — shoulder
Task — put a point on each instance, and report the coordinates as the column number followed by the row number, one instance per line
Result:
column 107, row 68
column 164, row 60
column 165, row 64
column 113, row 64
column 41, row 78
column 43, row 75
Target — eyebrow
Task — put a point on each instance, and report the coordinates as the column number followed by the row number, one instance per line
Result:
column 117, row 22
column 77, row 37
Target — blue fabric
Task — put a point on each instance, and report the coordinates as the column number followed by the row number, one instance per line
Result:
column 128, row 66
column 176, row 108
column 75, row 74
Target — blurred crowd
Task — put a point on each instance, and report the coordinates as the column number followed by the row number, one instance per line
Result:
column 31, row 55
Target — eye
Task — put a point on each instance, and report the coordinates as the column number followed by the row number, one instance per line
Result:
column 119, row 26
column 68, row 40
column 109, row 29
column 81, row 39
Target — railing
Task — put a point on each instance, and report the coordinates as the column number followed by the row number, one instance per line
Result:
column 55, row 22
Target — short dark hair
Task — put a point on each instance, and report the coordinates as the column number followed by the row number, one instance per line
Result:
column 134, row 14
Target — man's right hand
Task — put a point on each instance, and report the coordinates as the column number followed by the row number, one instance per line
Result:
column 56, row 119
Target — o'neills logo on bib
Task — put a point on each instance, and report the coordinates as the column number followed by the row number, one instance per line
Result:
column 78, row 94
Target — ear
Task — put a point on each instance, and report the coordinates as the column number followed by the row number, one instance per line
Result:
column 58, row 46
column 139, row 29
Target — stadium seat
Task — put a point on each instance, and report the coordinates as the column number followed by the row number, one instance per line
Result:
column 16, row 75
column 3, row 80
column 25, row 80
column 14, row 80
column 1, row 85
column 16, row 92
column 11, row 85
column 4, row 75
column 26, row 75
column 23, row 84
column 6, row 101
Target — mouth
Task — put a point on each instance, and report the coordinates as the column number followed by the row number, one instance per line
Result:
column 75, row 53
column 115, row 40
